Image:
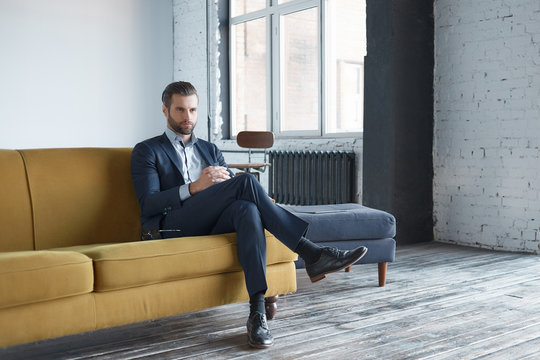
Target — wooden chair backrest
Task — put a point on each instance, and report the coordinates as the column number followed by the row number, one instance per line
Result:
column 255, row 139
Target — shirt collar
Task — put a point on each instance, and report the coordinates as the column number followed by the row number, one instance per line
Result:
column 174, row 138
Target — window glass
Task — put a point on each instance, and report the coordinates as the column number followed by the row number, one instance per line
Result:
column 345, row 51
column 249, row 84
column 281, row 78
column 241, row 7
column 300, row 71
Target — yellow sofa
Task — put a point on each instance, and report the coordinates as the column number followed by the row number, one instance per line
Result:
column 71, row 260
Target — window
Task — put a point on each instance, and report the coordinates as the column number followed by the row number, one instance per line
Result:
column 297, row 66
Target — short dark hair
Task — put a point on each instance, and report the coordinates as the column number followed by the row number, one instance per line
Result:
column 183, row 88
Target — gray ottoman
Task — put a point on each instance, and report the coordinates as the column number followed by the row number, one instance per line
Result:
column 348, row 226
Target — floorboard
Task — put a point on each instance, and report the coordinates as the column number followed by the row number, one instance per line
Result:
column 440, row 302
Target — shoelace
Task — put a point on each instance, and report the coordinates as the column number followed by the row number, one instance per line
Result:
column 262, row 319
column 334, row 251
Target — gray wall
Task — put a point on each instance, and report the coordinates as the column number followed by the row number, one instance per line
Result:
column 398, row 115
column 83, row 73
column 487, row 124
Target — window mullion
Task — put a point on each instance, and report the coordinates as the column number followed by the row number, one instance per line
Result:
column 275, row 65
column 250, row 16
column 269, row 70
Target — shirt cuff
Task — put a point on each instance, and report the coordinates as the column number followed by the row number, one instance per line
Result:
column 184, row 192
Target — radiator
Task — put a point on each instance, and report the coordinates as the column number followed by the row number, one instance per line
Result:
column 312, row 177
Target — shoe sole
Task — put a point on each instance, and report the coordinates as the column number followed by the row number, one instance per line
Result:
column 258, row 346
column 322, row 276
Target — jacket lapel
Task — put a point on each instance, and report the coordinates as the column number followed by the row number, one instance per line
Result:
column 170, row 151
column 203, row 150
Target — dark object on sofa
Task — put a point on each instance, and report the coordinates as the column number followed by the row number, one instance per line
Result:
column 348, row 226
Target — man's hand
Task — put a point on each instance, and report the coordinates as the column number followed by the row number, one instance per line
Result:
column 209, row 176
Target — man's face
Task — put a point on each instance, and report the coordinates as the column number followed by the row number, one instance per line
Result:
column 182, row 115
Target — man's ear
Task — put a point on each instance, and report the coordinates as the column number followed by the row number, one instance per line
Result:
column 165, row 110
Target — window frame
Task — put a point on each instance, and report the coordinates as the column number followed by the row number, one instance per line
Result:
column 273, row 13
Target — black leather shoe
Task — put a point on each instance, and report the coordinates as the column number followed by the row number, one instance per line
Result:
column 332, row 259
column 258, row 333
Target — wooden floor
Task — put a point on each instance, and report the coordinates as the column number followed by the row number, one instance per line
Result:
column 440, row 302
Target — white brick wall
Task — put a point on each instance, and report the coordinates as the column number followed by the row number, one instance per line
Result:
column 486, row 185
column 190, row 55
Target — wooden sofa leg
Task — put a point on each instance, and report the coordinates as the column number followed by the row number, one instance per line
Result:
column 382, row 273
column 348, row 268
column 270, row 306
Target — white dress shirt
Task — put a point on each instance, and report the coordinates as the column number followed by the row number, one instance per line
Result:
column 191, row 162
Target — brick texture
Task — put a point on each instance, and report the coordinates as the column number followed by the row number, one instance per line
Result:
column 190, row 53
column 486, row 184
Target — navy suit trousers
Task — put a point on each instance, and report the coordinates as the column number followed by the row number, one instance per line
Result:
column 238, row 205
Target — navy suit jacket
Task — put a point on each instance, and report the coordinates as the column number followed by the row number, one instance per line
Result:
column 155, row 170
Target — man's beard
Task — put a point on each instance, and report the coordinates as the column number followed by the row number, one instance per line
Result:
column 178, row 128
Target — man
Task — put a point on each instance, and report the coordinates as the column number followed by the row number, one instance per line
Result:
column 184, row 188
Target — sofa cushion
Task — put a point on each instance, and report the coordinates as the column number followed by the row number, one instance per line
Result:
column 82, row 196
column 125, row 265
column 34, row 276
column 345, row 222
column 15, row 209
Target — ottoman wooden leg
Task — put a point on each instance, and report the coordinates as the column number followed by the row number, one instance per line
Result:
column 382, row 273
column 270, row 306
column 348, row 268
